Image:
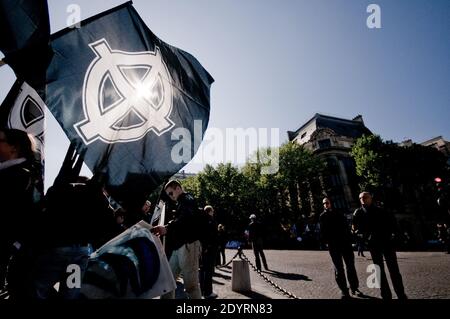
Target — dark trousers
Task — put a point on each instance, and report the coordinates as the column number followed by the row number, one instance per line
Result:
column 207, row 271
column 360, row 244
column 221, row 256
column 339, row 255
column 388, row 253
column 258, row 251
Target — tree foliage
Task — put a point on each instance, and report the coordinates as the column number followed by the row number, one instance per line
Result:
column 274, row 198
column 400, row 176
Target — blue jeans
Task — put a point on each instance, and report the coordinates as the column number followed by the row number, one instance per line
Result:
column 52, row 267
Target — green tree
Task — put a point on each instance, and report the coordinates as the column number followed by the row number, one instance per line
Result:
column 368, row 155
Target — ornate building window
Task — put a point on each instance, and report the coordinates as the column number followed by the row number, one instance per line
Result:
column 325, row 143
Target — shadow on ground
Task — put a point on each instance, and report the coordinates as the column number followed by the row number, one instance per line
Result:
column 254, row 295
column 287, row 276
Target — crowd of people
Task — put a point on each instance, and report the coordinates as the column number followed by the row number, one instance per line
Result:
column 40, row 236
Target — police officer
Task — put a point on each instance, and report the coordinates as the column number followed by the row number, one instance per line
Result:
column 378, row 228
column 336, row 234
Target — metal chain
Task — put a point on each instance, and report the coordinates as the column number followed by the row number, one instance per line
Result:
column 231, row 260
column 267, row 279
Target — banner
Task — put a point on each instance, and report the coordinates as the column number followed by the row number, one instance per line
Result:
column 25, row 35
column 124, row 97
column 132, row 265
column 23, row 109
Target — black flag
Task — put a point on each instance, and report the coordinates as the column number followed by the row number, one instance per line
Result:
column 25, row 34
column 126, row 99
column 23, row 109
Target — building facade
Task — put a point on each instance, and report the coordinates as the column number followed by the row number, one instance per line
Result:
column 440, row 144
column 332, row 139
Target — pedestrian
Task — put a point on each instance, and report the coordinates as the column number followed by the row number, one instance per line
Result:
column 209, row 254
column 359, row 238
column 335, row 232
column 182, row 240
column 378, row 228
column 443, row 236
column 222, row 240
column 255, row 236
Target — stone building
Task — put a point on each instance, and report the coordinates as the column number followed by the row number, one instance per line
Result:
column 440, row 144
column 332, row 138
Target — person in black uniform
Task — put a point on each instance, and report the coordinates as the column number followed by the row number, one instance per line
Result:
column 378, row 228
column 335, row 232
column 255, row 236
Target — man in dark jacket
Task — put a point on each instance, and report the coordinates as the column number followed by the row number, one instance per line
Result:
column 209, row 253
column 255, row 236
column 378, row 228
column 183, row 239
column 336, row 234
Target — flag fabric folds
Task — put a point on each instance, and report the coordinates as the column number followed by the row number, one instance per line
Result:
column 25, row 35
column 126, row 99
column 23, row 24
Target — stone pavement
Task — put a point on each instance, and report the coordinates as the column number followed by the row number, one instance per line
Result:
column 310, row 275
column 260, row 289
column 222, row 281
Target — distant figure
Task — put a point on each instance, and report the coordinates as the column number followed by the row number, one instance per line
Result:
column 255, row 236
column 222, row 241
column 359, row 238
column 209, row 253
column 444, row 236
column 335, row 232
column 379, row 227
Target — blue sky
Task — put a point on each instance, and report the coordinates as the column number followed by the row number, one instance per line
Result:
column 277, row 63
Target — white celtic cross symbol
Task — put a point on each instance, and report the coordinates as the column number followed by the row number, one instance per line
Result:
column 28, row 115
column 147, row 97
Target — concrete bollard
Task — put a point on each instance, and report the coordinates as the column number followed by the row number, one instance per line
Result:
column 240, row 277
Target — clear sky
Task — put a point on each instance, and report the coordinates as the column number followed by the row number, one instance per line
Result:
column 277, row 63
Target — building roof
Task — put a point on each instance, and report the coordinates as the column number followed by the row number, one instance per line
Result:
column 352, row 128
column 434, row 140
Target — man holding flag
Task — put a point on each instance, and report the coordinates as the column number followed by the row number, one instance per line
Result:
column 119, row 93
